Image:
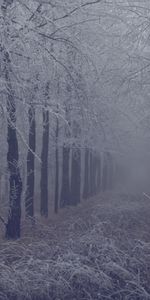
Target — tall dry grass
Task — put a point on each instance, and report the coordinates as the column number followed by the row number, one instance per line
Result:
column 101, row 250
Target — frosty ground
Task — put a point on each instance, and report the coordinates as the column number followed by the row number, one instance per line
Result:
column 99, row 250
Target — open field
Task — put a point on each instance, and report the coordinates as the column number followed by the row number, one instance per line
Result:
column 99, row 250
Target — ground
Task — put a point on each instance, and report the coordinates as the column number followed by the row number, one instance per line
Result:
column 99, row 250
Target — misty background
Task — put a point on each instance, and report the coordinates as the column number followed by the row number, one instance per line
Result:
column 75, row 149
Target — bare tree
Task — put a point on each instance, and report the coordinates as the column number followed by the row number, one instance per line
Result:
column 29, row 200
column 15, row 183
column 44, row 157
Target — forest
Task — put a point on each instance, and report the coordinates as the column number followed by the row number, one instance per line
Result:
column 74, row 149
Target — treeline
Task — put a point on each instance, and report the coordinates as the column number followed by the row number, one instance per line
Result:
column 83, row 170
column 78, row 156
column 53, row 75
column 85, row 173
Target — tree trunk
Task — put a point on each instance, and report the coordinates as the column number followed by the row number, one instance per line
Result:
column 44, row 166
column 57, row 170
column 65, row 189
column 94, row 174
column 86, row 174
column 104, row 174
column 29, row 200
column 98, row 174
column 15, row 183
column 110, row 171
column 91, row 179
column 75, row 176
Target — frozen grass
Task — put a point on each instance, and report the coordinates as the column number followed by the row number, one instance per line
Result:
column 100, row 250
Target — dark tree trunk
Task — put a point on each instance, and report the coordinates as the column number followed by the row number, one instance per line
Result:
column 65, row 185
column 110, row 171
column 75, row 176
column 104, row 174
column 44, row 166
column 91, row 178
column 90, row 174
column 29, row 200
column 86, row 175
column 65, row 189
column 98, row 174
column 94, row 174
column 15, row 183
column 57, row 170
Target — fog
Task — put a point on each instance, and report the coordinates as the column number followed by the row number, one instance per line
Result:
column 75, row 149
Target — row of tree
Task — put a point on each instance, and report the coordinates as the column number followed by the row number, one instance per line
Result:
column 69, row 85
column 50, row 94
column 97, row 176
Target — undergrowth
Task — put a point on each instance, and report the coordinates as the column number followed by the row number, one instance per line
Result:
column 104, row 256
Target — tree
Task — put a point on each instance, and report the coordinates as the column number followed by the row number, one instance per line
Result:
column 15, row 183
column 57, row 168
column 44, row 157
column 44, row 164
column 98, row 182
column 86, row 174
column 65, row 189
column 75, row 193
column 29, row 200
